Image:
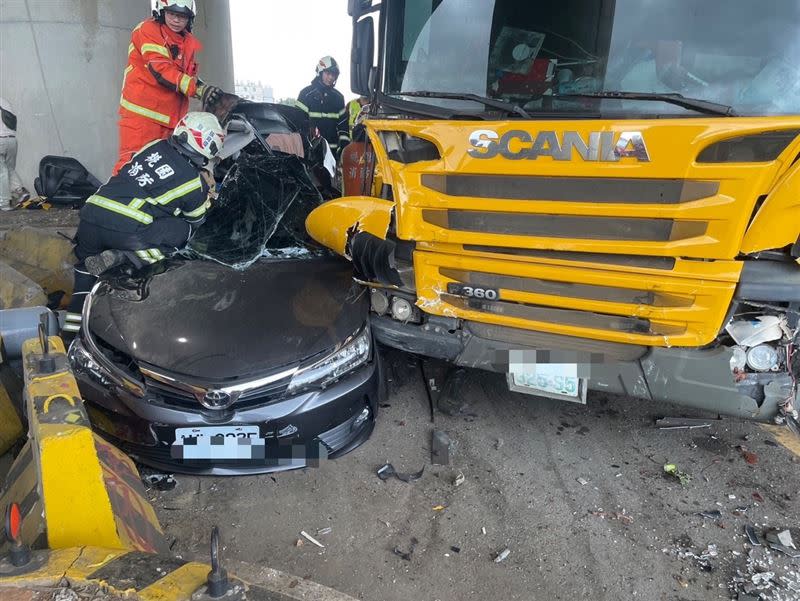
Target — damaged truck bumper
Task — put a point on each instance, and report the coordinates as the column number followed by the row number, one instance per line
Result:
column 692, row 377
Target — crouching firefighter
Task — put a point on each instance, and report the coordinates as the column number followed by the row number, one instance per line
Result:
column 148, row 210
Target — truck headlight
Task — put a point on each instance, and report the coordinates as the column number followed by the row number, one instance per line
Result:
column 354, row 353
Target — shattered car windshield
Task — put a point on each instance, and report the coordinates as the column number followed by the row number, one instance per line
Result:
column 260, row 212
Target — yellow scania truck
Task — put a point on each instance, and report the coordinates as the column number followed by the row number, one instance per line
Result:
column 584, row 194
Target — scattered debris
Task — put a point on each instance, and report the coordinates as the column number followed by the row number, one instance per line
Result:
column 684, row 551
column 387, row 471
column 748, row 455
column 439, row 507
column 758, row 497
column 299, row 542
column 670, row 469
column 752, row 535
column 440, row 448
column 762, row 577
column 502, row 555
column 455, row 549
column 785, row 538
column 65, row 594
column 582, row 481
column 459, row 480
column 714, row 514
column 793, row 553
column 771, row 443
column 160, row 482
column 498, row 444
column 682, row 423
column 483, row 530
column 741, row 510
column 324, row 531
column 613, row 515
column 311, row 539
column 406, row 555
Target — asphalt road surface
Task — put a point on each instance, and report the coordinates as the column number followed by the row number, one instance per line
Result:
column 576, row 494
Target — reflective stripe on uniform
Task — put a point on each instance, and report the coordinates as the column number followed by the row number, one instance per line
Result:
column 186, row 81
column 121, row 209
column 200, row 211
column 162, row 50
column 300, row 105
column 140, row 110
column 324, row 115
column 150, row 255
column 131, row 48
column 72, row 322
column 183, row 190
column 144, row 255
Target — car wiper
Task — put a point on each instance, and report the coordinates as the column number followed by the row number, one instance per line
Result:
column 693, row 104
column 509, row 107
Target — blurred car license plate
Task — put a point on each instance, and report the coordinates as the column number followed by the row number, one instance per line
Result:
column 218, row 442
column 558, row 380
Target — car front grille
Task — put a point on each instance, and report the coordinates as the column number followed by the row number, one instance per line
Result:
column 178, row 398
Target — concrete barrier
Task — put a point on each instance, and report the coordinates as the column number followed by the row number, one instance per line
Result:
column 18, row 290
column 43, row 256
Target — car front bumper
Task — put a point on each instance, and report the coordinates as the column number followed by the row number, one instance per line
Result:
column 298, row 430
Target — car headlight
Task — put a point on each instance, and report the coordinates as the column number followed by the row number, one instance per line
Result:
column 355, row 352
column 84, row 361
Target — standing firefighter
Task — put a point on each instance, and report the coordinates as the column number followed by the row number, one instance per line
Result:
column 148, row 209
column 325, row 105
column 160, row 78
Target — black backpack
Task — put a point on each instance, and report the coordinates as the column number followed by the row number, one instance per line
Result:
column 64, row 181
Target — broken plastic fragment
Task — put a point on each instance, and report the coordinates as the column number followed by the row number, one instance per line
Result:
column 502, row 555
column 387, row 471
column 752, row 535
column 311, row 539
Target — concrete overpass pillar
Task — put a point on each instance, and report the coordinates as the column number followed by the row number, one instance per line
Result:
column 213, row 27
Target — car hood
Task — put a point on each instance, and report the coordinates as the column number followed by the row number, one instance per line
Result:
column 209, row 322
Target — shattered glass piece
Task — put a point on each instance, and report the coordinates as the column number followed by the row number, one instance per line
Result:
column 261, row 212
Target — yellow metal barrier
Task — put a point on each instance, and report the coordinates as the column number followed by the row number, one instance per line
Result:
column 89, row 491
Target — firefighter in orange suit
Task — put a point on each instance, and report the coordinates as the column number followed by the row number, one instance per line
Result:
column 160, row 78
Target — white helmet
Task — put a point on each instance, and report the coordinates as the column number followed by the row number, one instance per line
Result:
column 202, row 133
column 327, row 63
column 184, row 7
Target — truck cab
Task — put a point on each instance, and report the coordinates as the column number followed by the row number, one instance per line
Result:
column 584, row 195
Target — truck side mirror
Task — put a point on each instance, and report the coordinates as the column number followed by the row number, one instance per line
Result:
column 363, row 53
column 356, row 8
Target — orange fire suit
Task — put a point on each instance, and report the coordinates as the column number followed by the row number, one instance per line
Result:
column 159, row 80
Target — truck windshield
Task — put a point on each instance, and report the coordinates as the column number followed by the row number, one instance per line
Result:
column 559, row 56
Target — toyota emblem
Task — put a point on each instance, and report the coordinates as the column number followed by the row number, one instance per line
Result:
column 217, row 399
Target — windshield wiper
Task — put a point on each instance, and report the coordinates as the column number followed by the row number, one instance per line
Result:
column 509, row 107
column 693, row 104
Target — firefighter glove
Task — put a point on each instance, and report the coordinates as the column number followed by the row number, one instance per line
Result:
column 209, row 95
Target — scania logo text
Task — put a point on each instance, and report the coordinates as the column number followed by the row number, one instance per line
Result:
column 599, row 146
